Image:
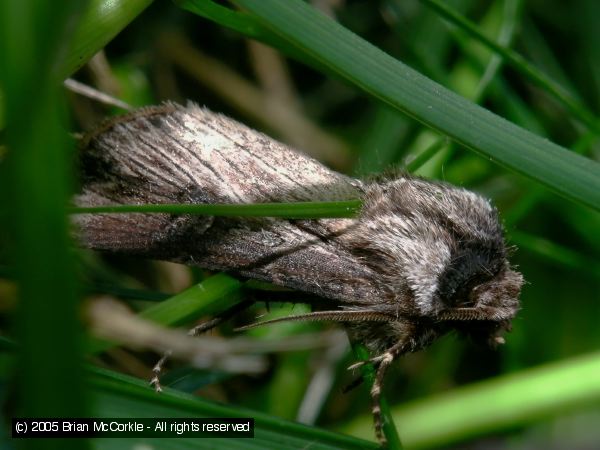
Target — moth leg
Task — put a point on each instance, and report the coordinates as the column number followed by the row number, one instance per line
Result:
column 384, row 361
column 197, row 330
column 157, row 370
column 376, row 361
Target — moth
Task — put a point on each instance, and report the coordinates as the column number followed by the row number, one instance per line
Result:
column 422, row 258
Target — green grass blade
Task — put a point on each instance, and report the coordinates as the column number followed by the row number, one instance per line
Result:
column 519, row 63
column 213, row 295
column 118, row 395
column 383, row 141
column 101, row 21
column 35, row 185
column 298, row 210
column 236, row 20
column 394, row 83
column 510, row 22
column 496, row 404
column 426, row 155
column 532, row 196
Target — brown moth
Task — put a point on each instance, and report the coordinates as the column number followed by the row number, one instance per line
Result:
column 422, row 258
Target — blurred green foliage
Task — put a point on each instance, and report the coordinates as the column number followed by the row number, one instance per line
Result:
column 322, row 103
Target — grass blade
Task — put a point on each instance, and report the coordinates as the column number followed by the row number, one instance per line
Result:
column 118, row 395
column 213, row 295
column 394, row 83
column 298, row 210
column 35, row 183
column 496, row 404
column 519, row 63
column 101, row 21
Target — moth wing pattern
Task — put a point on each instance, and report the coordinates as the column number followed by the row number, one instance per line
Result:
column 176, row 154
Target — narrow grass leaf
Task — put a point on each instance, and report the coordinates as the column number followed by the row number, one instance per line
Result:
column 403, row 88
column 520, row 64
column 35, row 185
column 211, row 296
column 119, row 395
column 297, row 210
column 496, row 404
column 101, row 21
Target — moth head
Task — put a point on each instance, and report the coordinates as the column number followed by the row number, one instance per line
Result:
column 441, row 251
column 485, row 309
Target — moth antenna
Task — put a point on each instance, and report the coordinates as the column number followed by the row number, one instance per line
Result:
column 479, row 313
column 323, row 316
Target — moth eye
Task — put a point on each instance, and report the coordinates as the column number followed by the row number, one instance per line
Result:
column 469, row 268
column 465, row 294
